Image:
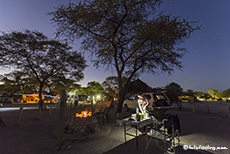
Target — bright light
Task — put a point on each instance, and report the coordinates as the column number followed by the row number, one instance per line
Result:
column 71, row 93
column 98, row 97
column 84, row 114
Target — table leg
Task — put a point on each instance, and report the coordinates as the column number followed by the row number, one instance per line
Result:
column 136, row 139
column 125, row 132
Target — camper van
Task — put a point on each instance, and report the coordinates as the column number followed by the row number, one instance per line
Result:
column 34, row 98
column 30, row 98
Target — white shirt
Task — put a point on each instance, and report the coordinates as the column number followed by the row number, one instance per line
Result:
column 142, row 105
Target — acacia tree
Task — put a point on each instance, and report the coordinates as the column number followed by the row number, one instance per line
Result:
column 191, row 94
column 213, row 93
column 225, row 93
column 18, row 82
column 94, row 88
column 82, row 91
column 126, row 35
column 40, row 57
column 110, row 85
column 12, row 82
column 173, row 91
column 57, row 83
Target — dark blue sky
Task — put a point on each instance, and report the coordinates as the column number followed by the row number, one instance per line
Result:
column 206, row 65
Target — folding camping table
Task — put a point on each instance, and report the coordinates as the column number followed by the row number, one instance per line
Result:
column 132, row 122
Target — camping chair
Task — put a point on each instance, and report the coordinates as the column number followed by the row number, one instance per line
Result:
column 166, row 134
column 103, row 115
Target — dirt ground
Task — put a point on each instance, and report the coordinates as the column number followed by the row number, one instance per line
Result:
column 35, row 136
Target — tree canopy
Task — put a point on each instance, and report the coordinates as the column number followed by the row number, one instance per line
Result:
column 18, row 82
column 173, row 91
column 94, row 88
column 213, row 93
column 110, row 85
column 40, row 57
column 125, row 35
column 225, row 93
column 57, row 83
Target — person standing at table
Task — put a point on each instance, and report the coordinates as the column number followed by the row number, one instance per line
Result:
column 142, row 104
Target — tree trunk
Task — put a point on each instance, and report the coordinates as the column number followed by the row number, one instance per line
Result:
column 121, row 99
column 179, row 105
column 40, row 103
column 61, row 122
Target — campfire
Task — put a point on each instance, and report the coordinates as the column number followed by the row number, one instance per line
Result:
column 82, row 124
column 84, row 114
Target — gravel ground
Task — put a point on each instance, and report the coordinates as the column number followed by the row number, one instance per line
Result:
column 215, row 108
column 35, row 136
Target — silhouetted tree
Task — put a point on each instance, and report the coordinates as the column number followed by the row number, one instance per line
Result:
column 125, row 35
column 191, row 94
column 40, row 57
column 111, row 86
column 225, row 93
column 138, row 87
column 82, row 91
column 57, row 83
column 18, row 82
column 94, row 88
column 214, row 93
column 173, row 91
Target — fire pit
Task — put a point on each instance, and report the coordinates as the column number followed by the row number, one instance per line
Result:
column 84, row 114
column 82, row 124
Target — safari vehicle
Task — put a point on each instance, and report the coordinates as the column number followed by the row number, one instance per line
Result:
column 30, row 98
column 156, row 100
column 34, row 98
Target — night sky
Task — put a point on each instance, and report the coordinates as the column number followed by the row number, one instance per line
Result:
column 206, row 65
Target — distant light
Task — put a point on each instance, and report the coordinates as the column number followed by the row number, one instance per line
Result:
column 98, row 97
column 71, row 93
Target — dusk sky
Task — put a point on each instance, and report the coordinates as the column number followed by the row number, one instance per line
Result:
column 206, row 65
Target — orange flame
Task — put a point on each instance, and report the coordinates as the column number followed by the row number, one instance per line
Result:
column 84, row 114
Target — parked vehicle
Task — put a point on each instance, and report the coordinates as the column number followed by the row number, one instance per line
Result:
column 34, row 98
column 156, row 100
column 4, row 99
